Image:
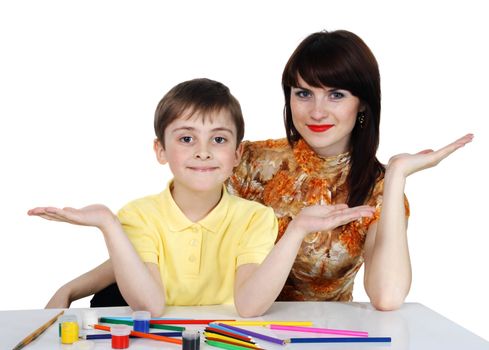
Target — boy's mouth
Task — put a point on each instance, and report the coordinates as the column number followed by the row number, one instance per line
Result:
column 202, row 168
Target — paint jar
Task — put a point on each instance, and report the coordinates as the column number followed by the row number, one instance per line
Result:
column 120, row 336
column 62, row 319
column 89, row 318
column 190, row 339
column 69, row 329
column 141, row 321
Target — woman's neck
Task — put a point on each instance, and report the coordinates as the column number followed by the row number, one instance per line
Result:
column 193, row 204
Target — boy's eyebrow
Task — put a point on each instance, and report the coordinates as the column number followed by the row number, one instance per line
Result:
column 189, row 128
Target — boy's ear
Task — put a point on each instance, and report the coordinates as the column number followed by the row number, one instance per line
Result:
column 160, row 152
column 239, row 153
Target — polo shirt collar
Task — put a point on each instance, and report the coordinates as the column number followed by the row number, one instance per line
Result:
column 177, row 221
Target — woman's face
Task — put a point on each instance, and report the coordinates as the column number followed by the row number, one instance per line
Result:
column 324, row 117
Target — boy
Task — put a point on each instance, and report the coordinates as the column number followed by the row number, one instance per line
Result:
column 194, row 244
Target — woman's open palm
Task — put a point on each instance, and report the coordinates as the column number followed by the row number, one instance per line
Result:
column 408, row 164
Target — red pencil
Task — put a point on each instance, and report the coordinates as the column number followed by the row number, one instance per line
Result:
column 144, row 335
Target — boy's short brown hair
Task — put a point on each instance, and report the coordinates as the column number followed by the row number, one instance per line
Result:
column 198, row 95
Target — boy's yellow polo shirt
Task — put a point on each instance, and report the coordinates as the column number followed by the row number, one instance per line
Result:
column 198, row 261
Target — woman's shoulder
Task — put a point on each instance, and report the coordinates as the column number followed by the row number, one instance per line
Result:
column 266, row 148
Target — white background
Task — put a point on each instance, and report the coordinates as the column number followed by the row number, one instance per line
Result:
column 79, row 82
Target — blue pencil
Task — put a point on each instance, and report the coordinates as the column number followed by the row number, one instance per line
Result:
column 108, row 336
column 215, row 325
column 340, row 340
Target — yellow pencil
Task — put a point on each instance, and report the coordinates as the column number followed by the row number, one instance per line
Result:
column 37, row 332
column 266, row 323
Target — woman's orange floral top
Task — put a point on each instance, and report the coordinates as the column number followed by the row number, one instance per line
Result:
column 289, row 179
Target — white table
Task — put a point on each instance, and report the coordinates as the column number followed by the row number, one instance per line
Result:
column 414, row 326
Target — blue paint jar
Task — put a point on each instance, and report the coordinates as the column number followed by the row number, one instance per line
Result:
column 141, row 321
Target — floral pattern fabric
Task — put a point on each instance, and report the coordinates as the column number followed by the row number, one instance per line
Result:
column 287, row 179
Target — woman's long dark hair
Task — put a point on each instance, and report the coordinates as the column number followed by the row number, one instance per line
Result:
column 340, row 59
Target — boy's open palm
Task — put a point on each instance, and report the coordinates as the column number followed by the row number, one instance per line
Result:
column 96, row 215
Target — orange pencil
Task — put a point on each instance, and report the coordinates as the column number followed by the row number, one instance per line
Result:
column 144, row 335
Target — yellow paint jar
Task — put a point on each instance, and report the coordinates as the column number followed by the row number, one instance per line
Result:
column 69, row 331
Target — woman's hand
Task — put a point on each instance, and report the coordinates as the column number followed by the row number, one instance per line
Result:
column 96, row 215
column 328, row 217
column 407, row 164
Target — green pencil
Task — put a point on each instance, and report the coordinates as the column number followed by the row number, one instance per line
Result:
column 130, row 323
column 218, row 344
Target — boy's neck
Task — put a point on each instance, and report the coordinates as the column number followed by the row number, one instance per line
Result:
column 195, row 205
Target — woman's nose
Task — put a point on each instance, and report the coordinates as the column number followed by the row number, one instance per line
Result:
column 319, row 110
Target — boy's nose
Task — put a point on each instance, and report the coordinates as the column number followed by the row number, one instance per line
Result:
column 203, row 154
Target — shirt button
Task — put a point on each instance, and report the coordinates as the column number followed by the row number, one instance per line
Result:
column 195, row 229
column 193, row 242
column 192, row 258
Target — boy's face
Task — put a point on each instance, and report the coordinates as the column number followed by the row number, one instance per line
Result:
column 201, row 152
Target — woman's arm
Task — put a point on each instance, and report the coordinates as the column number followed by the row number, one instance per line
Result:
column 87, row 284
column 258, row 285
column 140, row 283
column 387, row 276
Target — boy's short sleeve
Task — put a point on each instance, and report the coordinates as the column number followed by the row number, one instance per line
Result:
column 140, row 233
column 259, row 237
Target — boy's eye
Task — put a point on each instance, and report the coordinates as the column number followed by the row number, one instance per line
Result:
column 219, row 139
column 186, row 139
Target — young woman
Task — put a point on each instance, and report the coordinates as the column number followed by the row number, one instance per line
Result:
column 332, row 94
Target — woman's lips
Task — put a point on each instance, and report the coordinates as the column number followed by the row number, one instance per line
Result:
column 320, row 128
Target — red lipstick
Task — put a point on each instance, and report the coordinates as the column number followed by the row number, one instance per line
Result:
column 320, row 128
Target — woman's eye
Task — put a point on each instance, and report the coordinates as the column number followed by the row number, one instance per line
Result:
column 186, row 139
column 302, row 93
column 219, row 139
column 336, row 95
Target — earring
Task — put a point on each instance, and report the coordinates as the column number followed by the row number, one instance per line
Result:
column 361, row 120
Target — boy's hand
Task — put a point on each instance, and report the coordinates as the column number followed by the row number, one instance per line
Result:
column 328, row 217
column 96, row 215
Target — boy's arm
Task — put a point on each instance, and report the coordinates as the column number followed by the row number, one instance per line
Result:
column 258, row 285
column 87, row 284
column 140, row 283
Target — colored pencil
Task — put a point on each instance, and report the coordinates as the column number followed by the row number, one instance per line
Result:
column 319, row 330
column 266, row 323
column 109, row 336
column 130, row 323
column 219, row 337
column 340, row 340
column 221, row 345
column 187, row 321
column 144, row 335
column 226, row 331
column 254, row 334
column 129, row 318
column 31, row 337
column 231, row 342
